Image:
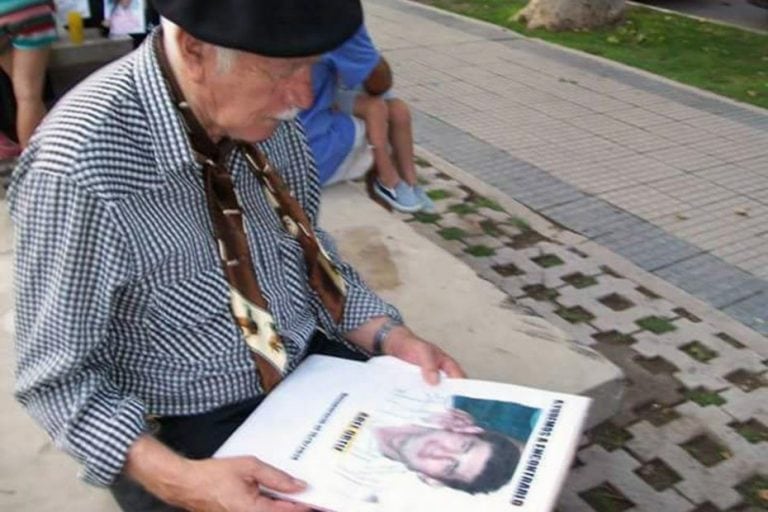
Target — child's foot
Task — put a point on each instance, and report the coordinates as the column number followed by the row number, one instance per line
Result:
column 427, row 206
column 401, row 197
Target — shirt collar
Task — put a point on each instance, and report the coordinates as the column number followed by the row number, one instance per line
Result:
column 169, row 140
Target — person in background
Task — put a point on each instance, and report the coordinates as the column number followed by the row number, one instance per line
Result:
column 355, row 119
column 27, row 31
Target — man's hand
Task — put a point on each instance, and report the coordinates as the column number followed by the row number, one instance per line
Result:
column 456, row 420
column 209, row 485
column 232, row 485
column 403, row 344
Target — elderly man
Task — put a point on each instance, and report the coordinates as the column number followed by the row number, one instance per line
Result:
column 168, row 270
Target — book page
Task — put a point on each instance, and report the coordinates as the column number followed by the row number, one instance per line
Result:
column 374, row 436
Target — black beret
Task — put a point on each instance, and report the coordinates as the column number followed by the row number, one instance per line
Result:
column 273, row 28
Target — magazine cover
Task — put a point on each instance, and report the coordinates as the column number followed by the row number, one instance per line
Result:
column 374, row 436
column 125, row 17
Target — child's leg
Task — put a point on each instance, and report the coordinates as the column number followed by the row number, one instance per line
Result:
column 375, row 113
column 401, row 138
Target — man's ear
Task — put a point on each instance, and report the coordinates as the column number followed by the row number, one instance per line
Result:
column 432, row 482
column 192, row 52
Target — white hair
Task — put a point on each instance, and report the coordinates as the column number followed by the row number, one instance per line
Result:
column 225, row 57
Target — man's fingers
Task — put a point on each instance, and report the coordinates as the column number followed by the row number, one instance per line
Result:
column 267, row 504
column 452, row 368
column 273, row 478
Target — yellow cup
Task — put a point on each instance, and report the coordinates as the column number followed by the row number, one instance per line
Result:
column 76, row 31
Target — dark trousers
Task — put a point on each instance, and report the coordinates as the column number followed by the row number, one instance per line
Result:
column 200, row 435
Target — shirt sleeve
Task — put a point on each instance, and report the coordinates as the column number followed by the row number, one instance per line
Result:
column 70, row 260
column 355, row 59
column 362, row 304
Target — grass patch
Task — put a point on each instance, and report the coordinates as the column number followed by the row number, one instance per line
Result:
column 427, row 218
column 656, row 324
column 575, row 315
column 462, row 208
column 489, row 228
column 706, row 450
column 754, row 491
column 480, row 251
column 614, row 337
column 704, row 397
column 438, row 194
column 484, row 202
column 452, row 233
column 753, row 431
column 579, row 280
column 699, row 351
column 421, row 162
column 606, row 498
column 722, row 59
column 519, row 223
column 609, row 436
column 547, row 260
column 540, row 292
column 510, row 269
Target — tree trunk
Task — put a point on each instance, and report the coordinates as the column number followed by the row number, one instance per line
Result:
column 570, row 14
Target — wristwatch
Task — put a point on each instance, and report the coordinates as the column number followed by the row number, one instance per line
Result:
column 381, row 335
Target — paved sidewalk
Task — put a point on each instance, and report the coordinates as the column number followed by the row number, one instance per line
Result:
column 691, row 434
column 672, row 178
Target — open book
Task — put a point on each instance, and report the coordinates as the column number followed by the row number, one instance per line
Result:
column 374, row 436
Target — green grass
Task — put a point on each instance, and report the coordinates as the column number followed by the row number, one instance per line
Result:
column 519, row 223
column 575, row 314
column 704, row 397
column 547, row 260
column 438, row 194
column 489, row 228
column 484, row 202
column 462, row 208
column 480, row 251
column 656, row 324
column 754, row 491
column 452, row 233
column 427, row 218
column 721, row 59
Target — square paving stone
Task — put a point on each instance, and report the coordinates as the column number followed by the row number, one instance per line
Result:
column 606, row 498
column 746, row 381
column 752, row 430
column 658, row 474
column 706, row 450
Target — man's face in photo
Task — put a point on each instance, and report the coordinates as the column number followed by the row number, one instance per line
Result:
column 441, row 455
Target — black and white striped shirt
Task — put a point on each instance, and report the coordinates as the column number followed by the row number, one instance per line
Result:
column 122, row 307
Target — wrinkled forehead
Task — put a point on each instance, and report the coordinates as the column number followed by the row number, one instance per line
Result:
column 279, row 65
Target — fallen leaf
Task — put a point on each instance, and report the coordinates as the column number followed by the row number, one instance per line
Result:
column 612, row 39
column 682, row 216
column 744, row 212
column 751, row 93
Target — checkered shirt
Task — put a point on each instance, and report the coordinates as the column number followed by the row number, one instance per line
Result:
column 122, row 306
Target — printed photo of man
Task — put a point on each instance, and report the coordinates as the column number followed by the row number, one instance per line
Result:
column 455, row 453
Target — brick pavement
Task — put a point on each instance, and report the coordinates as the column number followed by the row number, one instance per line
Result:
column 672, row 178
column 692, row 432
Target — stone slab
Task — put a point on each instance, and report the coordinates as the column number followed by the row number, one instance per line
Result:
column 463, row 313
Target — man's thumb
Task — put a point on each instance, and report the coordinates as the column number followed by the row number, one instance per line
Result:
column 275, row 479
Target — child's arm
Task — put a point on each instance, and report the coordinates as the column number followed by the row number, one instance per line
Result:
column 380, row 79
